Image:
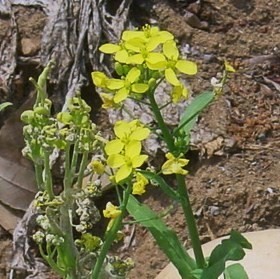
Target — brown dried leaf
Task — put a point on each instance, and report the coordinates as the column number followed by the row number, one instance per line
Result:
column 17, row 185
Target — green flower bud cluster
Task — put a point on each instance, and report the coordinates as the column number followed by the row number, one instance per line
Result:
column 118, row 268
column 46, row 233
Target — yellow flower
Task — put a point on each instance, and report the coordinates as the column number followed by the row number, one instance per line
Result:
column 99, row 79
column 120, row 52
column 179, row 92
column 138, row 187
column 147, row 33
column 111, row 211
column 229, row 68
column 174, row 165
column 124, row 86
column 97, row 167
column 183, row 66
column 126, row 132
column 141, row 45
column 127, row 162
column 108, row 101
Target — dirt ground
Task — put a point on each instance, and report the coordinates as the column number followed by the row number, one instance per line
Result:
column 234, row 180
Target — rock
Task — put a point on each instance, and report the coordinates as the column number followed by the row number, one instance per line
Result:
column 29, row 47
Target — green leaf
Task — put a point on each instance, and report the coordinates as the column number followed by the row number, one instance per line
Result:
column 4, row 105
column 239, row 238
column 235, row 271
column 159, row 180
column 229, row 250
column 166, row 239
column 188, row 118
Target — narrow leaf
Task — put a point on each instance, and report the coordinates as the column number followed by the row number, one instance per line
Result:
column 192, row 110
column 165, row 237
column 159, row 180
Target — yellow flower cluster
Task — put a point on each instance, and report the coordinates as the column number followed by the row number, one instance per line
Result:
column 142, row 56
column 124, row 152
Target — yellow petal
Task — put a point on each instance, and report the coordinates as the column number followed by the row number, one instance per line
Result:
column 140, row 134
column 133, row 75
column 114, row 84
column 107, row 100
column 154, row 58
column 186, row 67
column 153, row 43
column 99, row 79
column 170, row 50
column 183, row 162
column 165, row 36
column 123, row 172
column 114, row 146
column 121, row 56
column 157, row 66
column 128, row 35
column 171, row 77
column 138, row 188
column 121, row 129
column 229, row 68
column 121, row 95
column 179, row 92
column 139, row 87
column 135, row 59
column 138, row 161
column 169, row 156
column 109, row 48
column 135, row 44
column 133, row 148
column 111, row 211
column 115, row 160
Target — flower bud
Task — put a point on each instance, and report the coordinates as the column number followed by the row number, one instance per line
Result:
column 27, row 116
column 41, row 110
column 119, row 69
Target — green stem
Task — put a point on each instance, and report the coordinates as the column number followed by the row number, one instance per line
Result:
column 50, row 261
column 68, row 246
column 83, row 166
column 38, row 175
column 111, row 235
column 48, row 175
column 191, row 223
column 165, row 132
column 73, row 165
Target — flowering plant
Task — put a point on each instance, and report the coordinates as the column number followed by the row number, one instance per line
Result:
column 144, row 59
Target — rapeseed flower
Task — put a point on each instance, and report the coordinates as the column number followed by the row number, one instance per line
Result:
column 138, row 187
column 121, row 54
column 126, row 132
column 174, row 63
column 174, row 165
column 129, row 84
column 111, row 211
column 126, row 162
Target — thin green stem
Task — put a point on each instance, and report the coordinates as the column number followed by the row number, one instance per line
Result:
column 51, row 262
column 73, row 165
column 191, row 223
column 111, row 235
column 83, row 166
column 38, row 175
column 48, row 175
column 68, row 246
column 165, row 131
